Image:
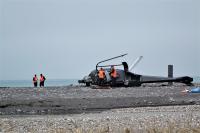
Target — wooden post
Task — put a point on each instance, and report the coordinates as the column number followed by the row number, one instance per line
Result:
column 170, row 73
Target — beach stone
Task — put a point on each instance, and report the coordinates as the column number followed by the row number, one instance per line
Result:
column 94, row 110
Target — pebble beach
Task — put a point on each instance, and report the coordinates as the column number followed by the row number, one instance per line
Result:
column 79, row 109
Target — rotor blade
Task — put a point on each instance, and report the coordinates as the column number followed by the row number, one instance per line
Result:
column 134, row 64
column 110, row 59
column 110, row 65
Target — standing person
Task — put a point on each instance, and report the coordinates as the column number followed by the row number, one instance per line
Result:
column 114, row 75
column 35, row 80
column 101, row 75
column 42, row 79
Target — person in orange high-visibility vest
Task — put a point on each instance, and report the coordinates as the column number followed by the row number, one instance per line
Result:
column 101, row 76
column 114, row 75
column 42, row 79
column 35, row 80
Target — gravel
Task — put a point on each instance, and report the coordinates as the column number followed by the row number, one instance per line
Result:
column 79, row 99
column 142, row 119
column 78, row 109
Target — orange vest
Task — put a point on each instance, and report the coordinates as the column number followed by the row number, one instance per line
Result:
column 35, row 79
column 114, row 73
column 101, row 74
column 42, row 78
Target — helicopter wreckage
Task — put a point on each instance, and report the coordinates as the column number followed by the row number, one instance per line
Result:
column 126, row 78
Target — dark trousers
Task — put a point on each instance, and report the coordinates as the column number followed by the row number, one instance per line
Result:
column 35, row 84
column 101, row 81
column 113, row 82
column 42, row 84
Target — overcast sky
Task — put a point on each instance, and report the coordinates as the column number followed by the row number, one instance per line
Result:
column 64, row 39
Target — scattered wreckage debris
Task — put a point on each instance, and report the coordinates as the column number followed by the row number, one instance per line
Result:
column 193, row 90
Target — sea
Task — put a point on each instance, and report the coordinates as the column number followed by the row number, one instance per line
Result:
column 51, row 82
column 29, row 83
